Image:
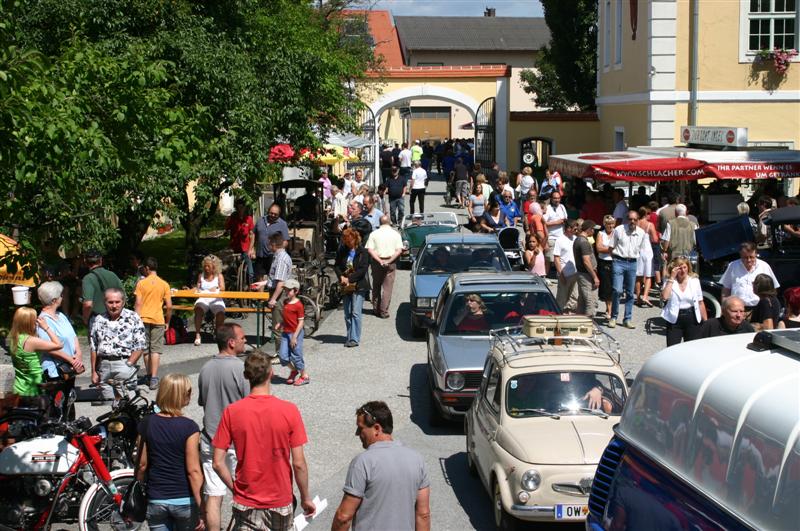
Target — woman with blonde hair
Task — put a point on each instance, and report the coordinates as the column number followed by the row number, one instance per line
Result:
column 25, row 347
column 169, row 458
column 209, row 281
column 485, row 186
column 527, row 183
column 684, row 309
column 605, row 262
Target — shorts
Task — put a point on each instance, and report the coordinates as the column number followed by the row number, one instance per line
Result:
column 252, row 519
column 215, row 305
column 155, row 338
column 462, row 189
column 213, row 485
column 551, row 244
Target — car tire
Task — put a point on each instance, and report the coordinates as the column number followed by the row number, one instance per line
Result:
column 416, row 330
column 503, row 520
column 473, row 469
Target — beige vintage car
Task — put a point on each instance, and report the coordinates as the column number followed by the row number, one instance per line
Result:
column 551, row 392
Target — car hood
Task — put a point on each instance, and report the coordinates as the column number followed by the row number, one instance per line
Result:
column 466, row 353
column 429, row 285
column 416, row 235
column 570, row 440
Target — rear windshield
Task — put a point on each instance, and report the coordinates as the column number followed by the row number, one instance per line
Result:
column 477, row 313
column 456, row 258
column 564, row 393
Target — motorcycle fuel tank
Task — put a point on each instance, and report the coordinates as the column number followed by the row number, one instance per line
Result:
column 50, row 454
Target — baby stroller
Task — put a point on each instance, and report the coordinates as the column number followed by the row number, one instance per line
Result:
column 509, row 241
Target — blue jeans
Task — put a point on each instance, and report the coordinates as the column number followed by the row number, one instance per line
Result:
column 397, row 210
column 353, row 305
column 163, row 517
column 288, row 355
column 624, row 280
column 248, row 264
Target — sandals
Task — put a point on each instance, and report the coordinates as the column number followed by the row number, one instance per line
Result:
column 302, row 380
column 292, row 376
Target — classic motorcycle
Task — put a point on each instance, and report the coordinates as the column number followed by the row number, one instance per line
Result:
column 61, row 478
column 121, row 423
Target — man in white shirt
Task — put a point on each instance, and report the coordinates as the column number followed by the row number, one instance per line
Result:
column 384, row 247
column 621, row 208
column 419, row 180
column 404, row 158
column 348, row 186
column 554, row 217
column 627, row 240
column 738, row 277
column 678, row 239
column 564, row 259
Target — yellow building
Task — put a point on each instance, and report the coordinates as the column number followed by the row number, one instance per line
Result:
column 663, row 64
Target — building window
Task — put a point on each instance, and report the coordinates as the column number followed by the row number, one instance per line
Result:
column 768, row 24
column 607, row 33
column 618, row 36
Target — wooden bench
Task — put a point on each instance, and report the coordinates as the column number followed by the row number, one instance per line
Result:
column 260, row 297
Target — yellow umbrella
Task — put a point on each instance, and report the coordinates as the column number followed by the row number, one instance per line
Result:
column 334, row 154
column 9, row 246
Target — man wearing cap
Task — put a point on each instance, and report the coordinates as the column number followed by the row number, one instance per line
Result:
column 384, row 247
column 94, row 284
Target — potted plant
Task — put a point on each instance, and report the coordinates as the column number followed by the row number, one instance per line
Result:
column 781, row 58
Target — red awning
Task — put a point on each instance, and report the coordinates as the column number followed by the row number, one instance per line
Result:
column 627, row 166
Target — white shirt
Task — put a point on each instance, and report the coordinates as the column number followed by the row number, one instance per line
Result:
column 405, row 158
column 347, row 189
column 340, row 205
column 628, row 244
column 740, row 281
column 418, row 177
column 553, row 214
column 680, row 300
column 563, row 249
column 385, row 241
column 525, row 185
column 621, row 211
column 605, row 238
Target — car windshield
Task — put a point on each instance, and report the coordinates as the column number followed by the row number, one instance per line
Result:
column 564, row 393
column 456, row 258
column 474, row 314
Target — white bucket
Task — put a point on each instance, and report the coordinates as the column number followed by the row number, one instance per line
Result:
column 21, row 295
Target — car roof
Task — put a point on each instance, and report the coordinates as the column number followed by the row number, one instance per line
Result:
column 494, row 280
column 460, row 237
column 720, row 388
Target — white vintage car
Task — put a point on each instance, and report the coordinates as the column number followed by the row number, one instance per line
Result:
column 551, row 392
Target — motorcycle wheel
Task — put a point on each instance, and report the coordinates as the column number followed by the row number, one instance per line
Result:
column 98, row 512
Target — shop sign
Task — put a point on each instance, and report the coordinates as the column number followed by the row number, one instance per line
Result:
column 714, row 136
column 754, row 170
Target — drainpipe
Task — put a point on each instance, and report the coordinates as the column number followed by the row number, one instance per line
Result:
column 694, row 60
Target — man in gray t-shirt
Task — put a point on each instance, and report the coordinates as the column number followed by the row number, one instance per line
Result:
column 221, row 382
column 387, row 487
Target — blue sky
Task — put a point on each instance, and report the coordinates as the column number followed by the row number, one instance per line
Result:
column 466, row 8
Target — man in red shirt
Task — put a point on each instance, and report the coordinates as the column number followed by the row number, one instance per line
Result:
column 268, row 435
column 239, row 225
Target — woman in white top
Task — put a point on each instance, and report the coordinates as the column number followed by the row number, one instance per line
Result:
column 605, row 264
column 684, row 309
column 209, row 281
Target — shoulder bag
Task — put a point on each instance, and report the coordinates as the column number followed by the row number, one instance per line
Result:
column 134, row 501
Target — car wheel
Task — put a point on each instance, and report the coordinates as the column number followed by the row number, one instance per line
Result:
column 473, row 470
column 416, row 330
column 503, row 520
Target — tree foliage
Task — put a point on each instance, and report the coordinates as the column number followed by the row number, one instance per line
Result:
column 112, row 110
column 567, row 67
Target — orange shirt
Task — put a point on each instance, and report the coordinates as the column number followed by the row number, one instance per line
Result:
column 152, row 291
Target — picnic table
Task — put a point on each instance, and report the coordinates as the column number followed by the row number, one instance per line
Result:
column 260, row 297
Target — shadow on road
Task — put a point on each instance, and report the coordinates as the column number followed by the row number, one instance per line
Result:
column 328, row 339
column 402, row 322
column 469, row 491
column 421, row 404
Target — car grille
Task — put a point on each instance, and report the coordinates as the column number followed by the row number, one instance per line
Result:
column 601, row 486
column 472, row 380
column 569, row 488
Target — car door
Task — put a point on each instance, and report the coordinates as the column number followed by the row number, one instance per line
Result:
column 487, row 419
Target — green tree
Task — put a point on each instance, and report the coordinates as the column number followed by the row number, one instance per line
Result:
column 567, row 67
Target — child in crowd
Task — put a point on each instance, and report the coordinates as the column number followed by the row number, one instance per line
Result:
column 291, row 330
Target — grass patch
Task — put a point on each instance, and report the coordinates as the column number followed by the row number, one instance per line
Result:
column 170, row 251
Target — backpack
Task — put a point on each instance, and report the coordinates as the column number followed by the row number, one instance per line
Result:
column 176, row 331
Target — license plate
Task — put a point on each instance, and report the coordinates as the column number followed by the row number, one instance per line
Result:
column 571, row 512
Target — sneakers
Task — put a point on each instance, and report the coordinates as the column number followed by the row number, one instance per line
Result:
column 154, row 383
column 351, row 343
column 628, row 324
column 612, row 323
column 302, row 380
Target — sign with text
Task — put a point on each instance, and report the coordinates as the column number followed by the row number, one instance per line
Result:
column 753, row 170
column 714, row 136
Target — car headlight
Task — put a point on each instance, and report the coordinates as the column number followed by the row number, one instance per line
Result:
column 424, row 302
column 406, row 245
column 531, row 480
column 455, row 381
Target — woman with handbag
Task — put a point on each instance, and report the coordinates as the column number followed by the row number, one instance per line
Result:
column 65, row 364
column 352, row 263
column 169, row 457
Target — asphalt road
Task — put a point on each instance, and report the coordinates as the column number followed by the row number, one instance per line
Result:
column 389, row 365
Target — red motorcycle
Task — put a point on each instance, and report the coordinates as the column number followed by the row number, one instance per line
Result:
column 60, row 477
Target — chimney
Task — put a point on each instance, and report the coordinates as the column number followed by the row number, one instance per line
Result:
column 489, row 12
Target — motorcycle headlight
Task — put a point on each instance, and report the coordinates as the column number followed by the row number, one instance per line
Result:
column 424, row 302
column 455, row 381
column 531, row 480
column 115, row 426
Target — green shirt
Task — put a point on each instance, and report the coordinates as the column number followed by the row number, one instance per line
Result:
column 27, row 370
column 94, row 287
column 416, row 153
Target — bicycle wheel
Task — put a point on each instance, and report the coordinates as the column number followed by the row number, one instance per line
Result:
column 98, row 510
column 311, row 320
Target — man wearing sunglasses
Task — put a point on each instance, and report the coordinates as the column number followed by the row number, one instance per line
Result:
column 380, row 482
column 627, row 241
